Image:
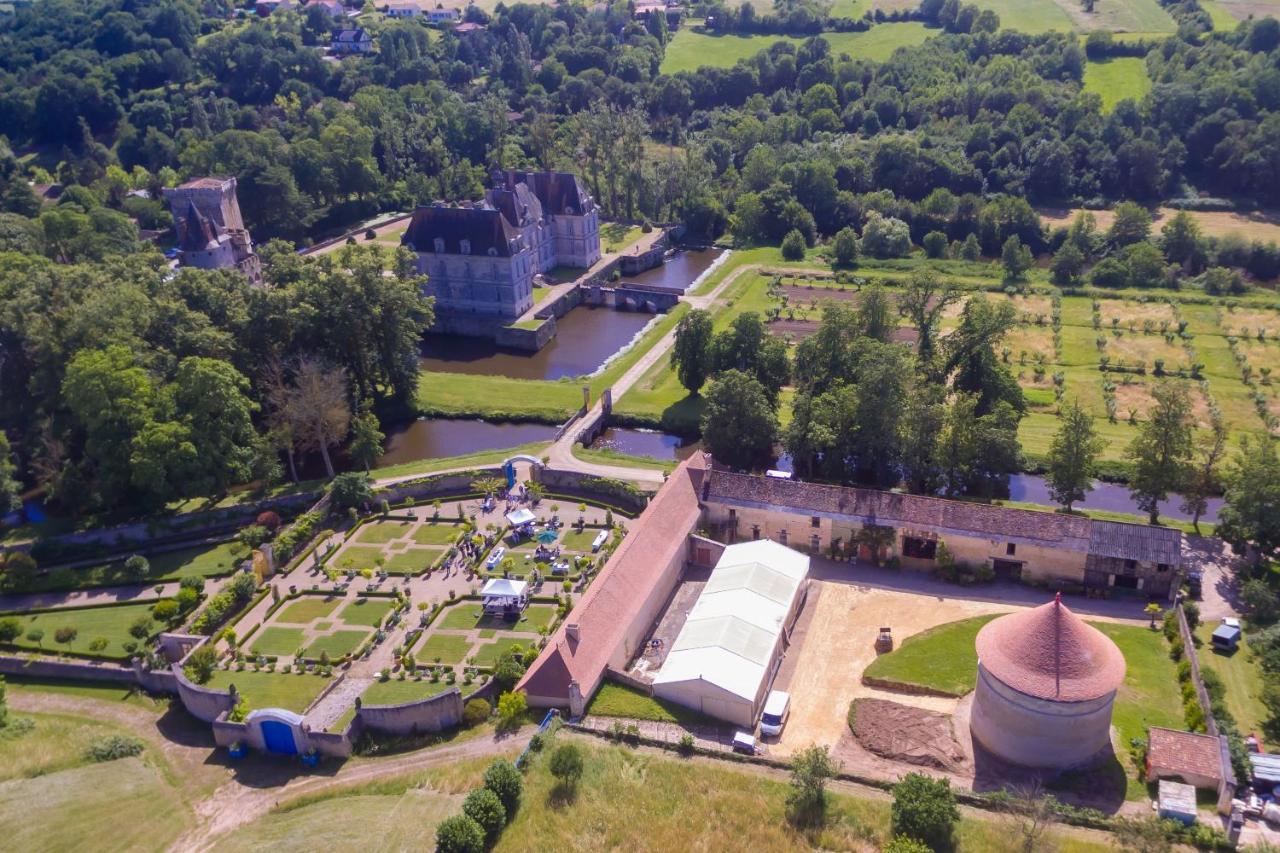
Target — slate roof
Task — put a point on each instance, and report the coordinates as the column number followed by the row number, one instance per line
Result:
column 517, row 203
column 198, row 233
column 485, row 227
column 1077, row 533
column 561, row 193
column 1135, row 542
column 1050, row 653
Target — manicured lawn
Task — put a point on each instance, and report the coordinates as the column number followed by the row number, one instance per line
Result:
column 341, row 642
column 607, row 456
column 290, row 691
column 395, row 692
column 412, row 562
column 358, row 557
column 307, row 608
column 449, row 648
column 615, row 236
column 466, row 617
column 466, row 460
column 942, row 658
column 118, row 805
column 436, row 533
column 1241, row 676
column 91, row 623
column 690, row 49
column 274, row 640
column 382, row 532
column 617, row 700
column 487, row 654
column 201, row 561
column 366, row 611
column 1117, row 79
column 579, row 540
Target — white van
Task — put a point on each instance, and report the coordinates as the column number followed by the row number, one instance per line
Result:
column 495, row 558
column 776, row 709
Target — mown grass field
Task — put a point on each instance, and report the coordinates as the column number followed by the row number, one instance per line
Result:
column 617, row 700
column 1116, row 79
column 690, row 49
column 1241, row 676
column 90, row 623
column 291, row 691
column 201, row 561
column 942, row 658
column 1029, row 16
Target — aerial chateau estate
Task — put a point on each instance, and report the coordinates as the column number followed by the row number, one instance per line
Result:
column 649, row 425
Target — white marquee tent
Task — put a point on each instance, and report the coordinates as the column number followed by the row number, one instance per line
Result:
column 726, row 655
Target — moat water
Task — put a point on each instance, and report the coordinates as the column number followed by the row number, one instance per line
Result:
column 681, row 269
column 585, row 338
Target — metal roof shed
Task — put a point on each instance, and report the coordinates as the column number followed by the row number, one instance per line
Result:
column 1177, row 801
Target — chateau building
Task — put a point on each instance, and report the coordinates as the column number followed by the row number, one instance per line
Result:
column 480, row 257
column 211, row 232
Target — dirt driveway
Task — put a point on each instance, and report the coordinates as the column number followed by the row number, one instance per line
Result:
column 835, row 641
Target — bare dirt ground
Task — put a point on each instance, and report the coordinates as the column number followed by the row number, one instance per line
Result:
column 904, row 733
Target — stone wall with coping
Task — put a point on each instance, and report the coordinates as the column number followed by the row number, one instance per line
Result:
column 428, row 715
column 437, row 486
column 203, row 703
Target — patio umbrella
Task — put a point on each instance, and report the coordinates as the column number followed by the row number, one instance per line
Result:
column 546, row 537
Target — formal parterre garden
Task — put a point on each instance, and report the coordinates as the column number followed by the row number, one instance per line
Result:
column 111, row 631
column 402, row 547
column 462, row 635
column 319, row 627
column 202, row 561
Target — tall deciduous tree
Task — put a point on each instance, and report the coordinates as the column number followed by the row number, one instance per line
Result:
column 739, row 424
column 1250, row 515
column 366, row 436
column 691, row 354
column 1015, row 258
column 317, row 407
column 1162, row 450
column 1203, row 479
column 10, row 488
column 1073, row 456
column 876, row 313
column 747, row 346
column 923, row 300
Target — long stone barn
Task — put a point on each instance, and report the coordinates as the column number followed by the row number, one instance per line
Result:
column 610, row 624
column 1065, row 552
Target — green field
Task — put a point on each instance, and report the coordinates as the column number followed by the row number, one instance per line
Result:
column 1116, row 79
column 436, row 533
column 344, row 641
column 942, row 658
column 1030, row 16
column 412, row 562
column 616, row 236
column 56, row 742
column 366, row 611
column 396, row 692
column 291, row 691
column 690, row 49
column 487, row 654
column 276, row 641
column 357, row 557
column 451, row 649
column 111, row 623
column 307, row 608
column 118, row 806
column 1241, row 676
column 200, row 561
column 617, row 700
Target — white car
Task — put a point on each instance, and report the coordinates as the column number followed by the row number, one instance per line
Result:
column 776, row 710
column 495, row 558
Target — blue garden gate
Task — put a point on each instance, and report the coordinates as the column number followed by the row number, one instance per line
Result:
column 278, row 738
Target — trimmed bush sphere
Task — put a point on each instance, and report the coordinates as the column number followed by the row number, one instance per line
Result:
column 459, row 834
column 504, row 780
column 484, row 807
column 476, row 712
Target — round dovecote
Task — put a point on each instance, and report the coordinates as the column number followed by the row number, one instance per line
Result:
column 1046, row 685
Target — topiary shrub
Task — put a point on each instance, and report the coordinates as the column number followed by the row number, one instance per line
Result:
column 459, row 834
column 505, row 781
column 476, row 712
column 484, row 807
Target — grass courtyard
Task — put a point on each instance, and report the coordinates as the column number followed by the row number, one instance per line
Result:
column 463, row 634
column 201, row 561
column 618, row 700
column 941, row 658
column 90, row 624
column 1241, row 676
column 315, row 624
column 291, row 691
column 397, row 547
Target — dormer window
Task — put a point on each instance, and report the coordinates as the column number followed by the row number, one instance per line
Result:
column 439, row 245
column 464, row 247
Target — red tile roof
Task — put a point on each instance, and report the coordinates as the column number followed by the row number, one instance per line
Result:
column 1050, row 653
column 1185, row 754
column 610, row 606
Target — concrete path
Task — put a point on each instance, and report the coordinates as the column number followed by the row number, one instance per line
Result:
column 330, row 709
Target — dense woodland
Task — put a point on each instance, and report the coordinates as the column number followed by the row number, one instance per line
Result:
column 110, row 367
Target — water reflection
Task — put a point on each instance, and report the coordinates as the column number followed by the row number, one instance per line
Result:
column 1105, row 496
column 680, row 270
column 646, row 442
column 585, row 338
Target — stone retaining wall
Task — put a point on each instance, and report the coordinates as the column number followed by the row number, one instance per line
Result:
column 902, row 687
column 429, row 715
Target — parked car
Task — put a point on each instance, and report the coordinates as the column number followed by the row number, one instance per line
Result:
column 495, row 558
column 776, row 710
column 744, row 743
